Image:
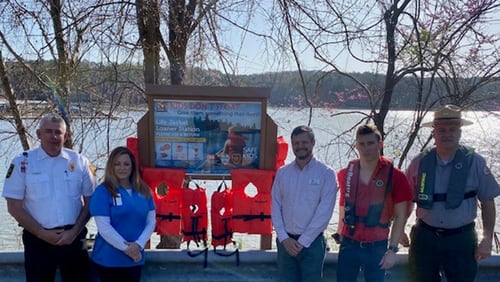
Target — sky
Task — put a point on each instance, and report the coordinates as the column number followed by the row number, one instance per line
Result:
column 256, row 57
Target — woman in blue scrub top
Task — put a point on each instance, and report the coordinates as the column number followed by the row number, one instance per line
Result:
column 124, row 213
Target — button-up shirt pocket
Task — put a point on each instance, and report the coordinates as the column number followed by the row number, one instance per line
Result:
column 73, row 184
column 312, row 192
column 37, row 186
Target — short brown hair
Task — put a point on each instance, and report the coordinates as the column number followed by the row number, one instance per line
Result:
column 303, row 129
column 368, row 129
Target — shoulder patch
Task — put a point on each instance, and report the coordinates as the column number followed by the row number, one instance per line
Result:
column 9, row 172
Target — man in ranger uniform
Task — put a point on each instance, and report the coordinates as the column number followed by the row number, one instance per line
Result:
column 448, row 180
column 372, row 193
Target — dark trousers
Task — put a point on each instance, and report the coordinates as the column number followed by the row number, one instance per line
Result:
column 42, row 259
column 122, row 274
column 307, row 266
column 355, row 257
column 431, row 252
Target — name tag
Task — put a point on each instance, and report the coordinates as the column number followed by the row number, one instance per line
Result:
column 314, row 181
column 118, row 200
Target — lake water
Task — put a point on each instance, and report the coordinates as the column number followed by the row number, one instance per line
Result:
column 94, row 140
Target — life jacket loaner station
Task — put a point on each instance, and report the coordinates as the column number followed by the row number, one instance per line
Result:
column 209, row 133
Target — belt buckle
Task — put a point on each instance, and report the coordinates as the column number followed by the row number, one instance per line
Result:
column 439, row 232
column 364, row 245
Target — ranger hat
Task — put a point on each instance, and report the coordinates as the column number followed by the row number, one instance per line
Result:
column 447, row 113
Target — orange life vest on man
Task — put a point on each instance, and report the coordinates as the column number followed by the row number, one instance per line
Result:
column 194, row 214
column 168, row 206
column 252, row 215
column 380, row 187
column 221, row 213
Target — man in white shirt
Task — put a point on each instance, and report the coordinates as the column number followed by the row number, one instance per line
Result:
column 47, row 190
column 303, row 199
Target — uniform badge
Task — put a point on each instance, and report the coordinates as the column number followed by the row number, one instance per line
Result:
column 379, row 182
column 11, row 169
column 71, row 166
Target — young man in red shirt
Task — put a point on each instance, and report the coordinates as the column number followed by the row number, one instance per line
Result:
column 373, row 196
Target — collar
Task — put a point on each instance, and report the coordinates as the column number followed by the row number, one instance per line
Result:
column 382, row 161
column 442, row 162
column 41, row 154
column 311, row 162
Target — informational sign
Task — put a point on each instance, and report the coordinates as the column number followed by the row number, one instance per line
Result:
column 206, row 137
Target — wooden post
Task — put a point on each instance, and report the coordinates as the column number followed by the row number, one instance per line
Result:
column 269, row 162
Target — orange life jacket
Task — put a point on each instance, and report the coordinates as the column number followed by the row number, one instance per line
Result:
column 168, row 207
column 380, row 187
column 195, row 220
column 194, row 214
column 221, row 213
column 252, row 215
column 133, row 146
column 281, row 152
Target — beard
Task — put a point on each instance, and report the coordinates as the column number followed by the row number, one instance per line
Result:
column 302, row 154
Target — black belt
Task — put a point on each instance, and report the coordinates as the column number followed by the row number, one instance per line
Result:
column 364, row 245
column 296, row 237
column 445, row 231
column 64, row 227
column 441, row 197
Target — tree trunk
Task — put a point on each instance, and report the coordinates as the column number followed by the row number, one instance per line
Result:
column 60, row 91
column 148, row 22
column 11, row 97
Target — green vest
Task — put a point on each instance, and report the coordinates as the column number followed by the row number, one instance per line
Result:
column 455, row 194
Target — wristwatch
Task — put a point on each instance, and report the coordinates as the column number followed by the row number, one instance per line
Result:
column 337, row 238
column 395, row 249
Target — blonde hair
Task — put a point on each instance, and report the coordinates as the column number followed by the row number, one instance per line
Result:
column 111, row 181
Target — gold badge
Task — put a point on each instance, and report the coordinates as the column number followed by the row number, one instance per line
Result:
column 71, row 166
column 92, row 169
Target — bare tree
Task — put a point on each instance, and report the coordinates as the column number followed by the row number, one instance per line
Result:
column 58, row 44
column 181, row 19
column 445, row 47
